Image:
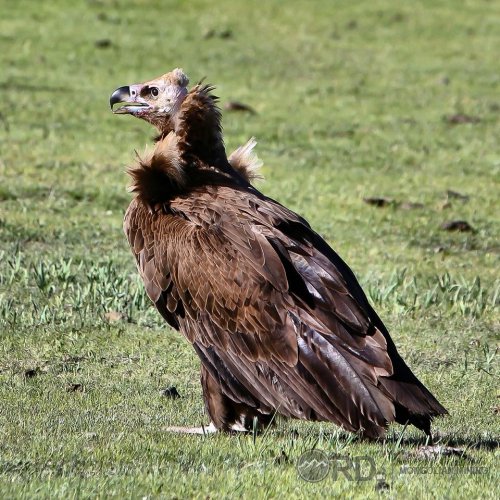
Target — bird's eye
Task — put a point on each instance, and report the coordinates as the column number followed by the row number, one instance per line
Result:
column 154, row 91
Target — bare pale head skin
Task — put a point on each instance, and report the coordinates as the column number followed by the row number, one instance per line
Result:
column 156, row 101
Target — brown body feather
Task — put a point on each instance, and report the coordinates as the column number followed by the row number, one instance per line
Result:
column 278, row 320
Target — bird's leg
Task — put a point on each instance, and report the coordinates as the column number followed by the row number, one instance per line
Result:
column 226, row 414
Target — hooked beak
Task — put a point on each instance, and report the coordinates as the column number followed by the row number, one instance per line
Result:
column 131, row 98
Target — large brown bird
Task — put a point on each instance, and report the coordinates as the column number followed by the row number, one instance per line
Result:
column 279, row 321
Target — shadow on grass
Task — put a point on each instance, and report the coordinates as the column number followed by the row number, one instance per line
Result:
column 474, row 443
column 395, row 438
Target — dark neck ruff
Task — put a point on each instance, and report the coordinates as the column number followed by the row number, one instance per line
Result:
column 199, row 128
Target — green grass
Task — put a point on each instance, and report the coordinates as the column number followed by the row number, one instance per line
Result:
column 351, row 100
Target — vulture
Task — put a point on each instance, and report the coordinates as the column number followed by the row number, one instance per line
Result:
column 277, row 318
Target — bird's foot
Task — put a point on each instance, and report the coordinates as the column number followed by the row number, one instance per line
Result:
column 204, row 429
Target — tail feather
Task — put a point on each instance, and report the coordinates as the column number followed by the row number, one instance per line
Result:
column 414, row 403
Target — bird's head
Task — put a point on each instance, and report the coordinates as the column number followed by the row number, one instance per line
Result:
column 157, row 101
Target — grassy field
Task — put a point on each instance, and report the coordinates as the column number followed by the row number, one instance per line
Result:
column 353, row 100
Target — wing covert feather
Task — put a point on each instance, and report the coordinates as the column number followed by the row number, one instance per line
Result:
column 223, row 259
